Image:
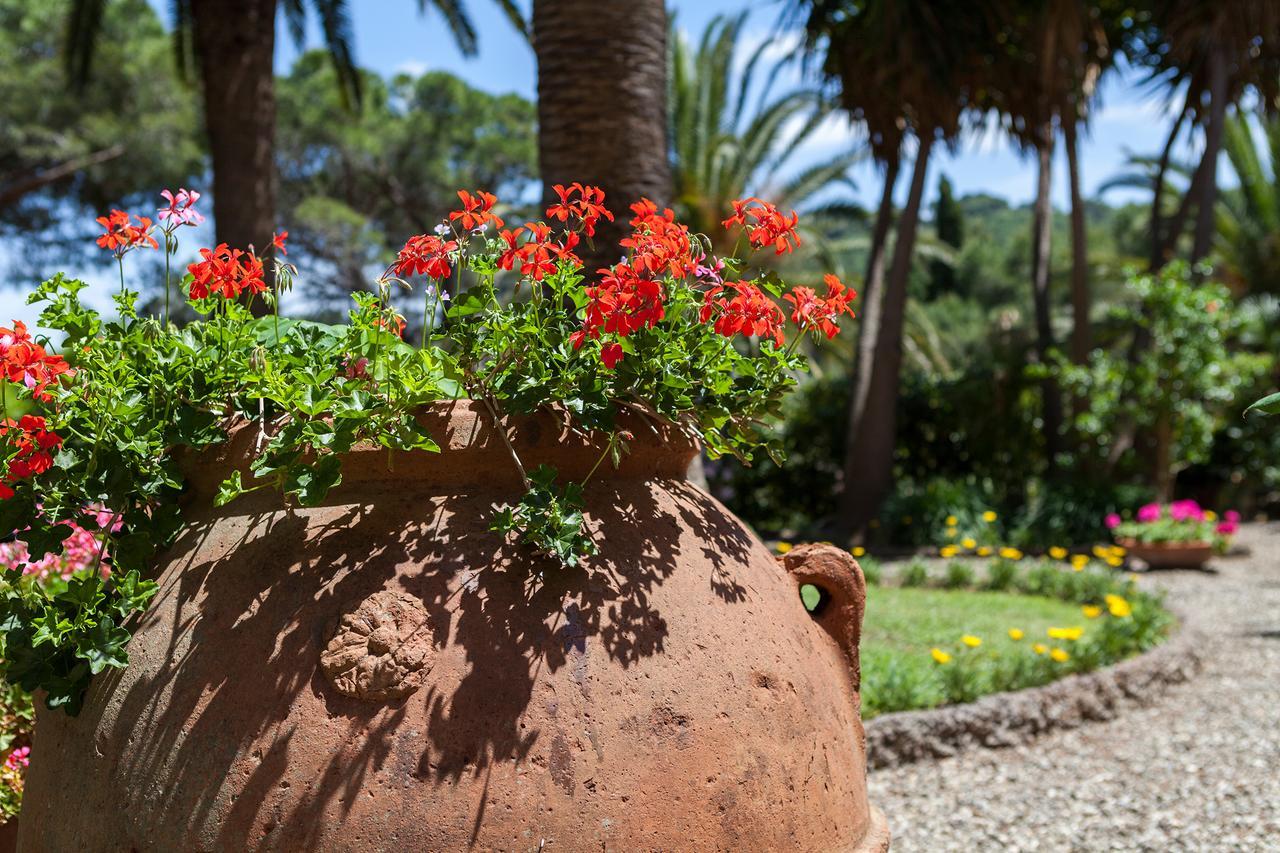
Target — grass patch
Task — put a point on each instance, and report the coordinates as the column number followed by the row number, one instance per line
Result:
column 914, row 653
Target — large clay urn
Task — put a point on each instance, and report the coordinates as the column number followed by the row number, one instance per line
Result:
column 384, row 673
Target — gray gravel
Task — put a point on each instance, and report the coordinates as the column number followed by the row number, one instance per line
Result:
column 1197, row 770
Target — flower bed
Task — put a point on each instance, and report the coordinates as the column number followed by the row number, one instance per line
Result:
column 1009, row 627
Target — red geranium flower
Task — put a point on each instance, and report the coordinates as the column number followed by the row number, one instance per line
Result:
column 765, row 224
column 120, row 235
column 226, row 272
column 425, row 254
column 748, row 311
column 610, row 355
column 476, row 210
column 659, row 244
column 538, row 255
column 277, row 242
column 811, row 311
column 588, row 208
column 24, row 361
column 32, row 444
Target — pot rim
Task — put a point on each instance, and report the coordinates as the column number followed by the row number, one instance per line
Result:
column 1184, row 545
column 473, row 452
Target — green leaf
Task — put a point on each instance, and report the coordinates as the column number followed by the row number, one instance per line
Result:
column 311, row 483
column 231, row 488
column 1269, row 405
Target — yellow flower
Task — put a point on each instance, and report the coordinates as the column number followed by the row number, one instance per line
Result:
column 948, row 551
column 783, row 547
column 1210, row 515
column 971, row 641
column 1016, row 634
column 968, row 542
column 952, row 521
column 1039, row 648
column 1117, row 551
column 940, row 656
column 1118, row 606
column 1060, row 655
column 1058, row 553
column 951, row 533
column 1079, row 561
column 1065, row 633
column 1115, row 562
column 989, row 516
column 1092, row 611
column 1010, row 553
column 1101, row 552
column 859, row 551
column 984, row 551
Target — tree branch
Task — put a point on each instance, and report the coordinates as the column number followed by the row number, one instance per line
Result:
column 12, row 193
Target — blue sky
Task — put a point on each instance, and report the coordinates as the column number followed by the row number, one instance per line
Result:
column 392, row 35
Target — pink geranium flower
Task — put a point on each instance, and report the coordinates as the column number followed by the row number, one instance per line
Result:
column 1149, row 513
column 1187, row 510
column 1113, row 521
column 181, row 209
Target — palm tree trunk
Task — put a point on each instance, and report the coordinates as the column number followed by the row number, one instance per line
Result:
column 1081, row 332
column 602, row 108
column 1041, row 235
column 235, row 46
column 872, row 301
column 1212, row 146
column 868, row 469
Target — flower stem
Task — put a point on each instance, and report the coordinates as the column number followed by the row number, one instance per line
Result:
column 168, row 254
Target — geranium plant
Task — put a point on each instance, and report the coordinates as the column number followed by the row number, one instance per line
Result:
column 1177, row 522
column 509, row 318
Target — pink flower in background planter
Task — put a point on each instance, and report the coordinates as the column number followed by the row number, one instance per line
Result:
column 20, row 757
column 1149, row 513
column 1113, row 521
column 1186, row 511
column 1232, row 516
column 1227, row 528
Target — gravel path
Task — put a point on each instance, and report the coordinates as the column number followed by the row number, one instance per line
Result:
column 1197, row 770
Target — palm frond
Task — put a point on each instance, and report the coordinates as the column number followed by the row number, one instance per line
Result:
column 339, row 36
column 83, row 26
column 456, row 19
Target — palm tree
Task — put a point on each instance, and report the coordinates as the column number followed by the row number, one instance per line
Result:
column 904, row 69
column 1248, row 220
column 726, row 145
column 1217, row 52
column 602, row 113
column 232, row 44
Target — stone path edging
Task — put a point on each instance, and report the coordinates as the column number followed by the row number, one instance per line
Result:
column 1017, row 717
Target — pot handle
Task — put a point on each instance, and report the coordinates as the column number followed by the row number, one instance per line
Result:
column 843, row 590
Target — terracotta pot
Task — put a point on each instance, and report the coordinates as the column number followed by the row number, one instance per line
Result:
column 383, row 673
column 1169, row 555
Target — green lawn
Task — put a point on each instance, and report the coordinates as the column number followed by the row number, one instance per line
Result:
column 902, row 625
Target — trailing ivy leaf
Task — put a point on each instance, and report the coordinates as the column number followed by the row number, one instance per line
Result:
column 311, row 483
column 231, row 488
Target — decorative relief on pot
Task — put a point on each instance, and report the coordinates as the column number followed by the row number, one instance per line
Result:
column 382, row 650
